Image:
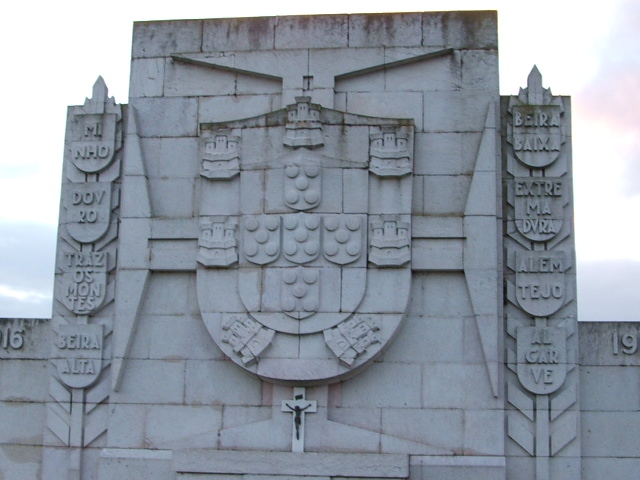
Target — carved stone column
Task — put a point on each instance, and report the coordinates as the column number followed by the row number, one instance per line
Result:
column 77, row 410
column 541, row 341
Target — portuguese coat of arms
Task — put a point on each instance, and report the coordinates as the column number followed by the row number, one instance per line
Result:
column 305, row 242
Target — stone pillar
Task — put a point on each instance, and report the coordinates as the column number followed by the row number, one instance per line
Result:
column 542, row 382
column 80, row 358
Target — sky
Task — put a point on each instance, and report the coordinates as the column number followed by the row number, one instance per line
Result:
column 54, row 51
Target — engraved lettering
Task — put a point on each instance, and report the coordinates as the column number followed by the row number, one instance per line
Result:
column 628, row 342
column 12, row 337
column 93, row 129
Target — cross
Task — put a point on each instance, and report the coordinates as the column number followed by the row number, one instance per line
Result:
column 298, row 407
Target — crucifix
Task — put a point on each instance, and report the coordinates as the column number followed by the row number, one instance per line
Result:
column 298, row 407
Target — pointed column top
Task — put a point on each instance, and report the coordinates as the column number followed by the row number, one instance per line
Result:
column 535, row 92
column 100, row 99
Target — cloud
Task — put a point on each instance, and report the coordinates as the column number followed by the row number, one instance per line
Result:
column 608, row 291
column 610, row 99
column 27, row 256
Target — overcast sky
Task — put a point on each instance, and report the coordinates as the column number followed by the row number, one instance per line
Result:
column 54, row 51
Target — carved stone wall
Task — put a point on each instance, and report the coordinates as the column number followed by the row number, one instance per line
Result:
column 84, row 293
column 317, row 248
column 542, row 379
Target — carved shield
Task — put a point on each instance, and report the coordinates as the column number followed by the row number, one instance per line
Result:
column 542, row 358
column 537, row 134
column 540, row 281
column 94, row 141
column 87, row 210
column 84, row 282
column 78, row 354
column 305, row 304
column 539, row 207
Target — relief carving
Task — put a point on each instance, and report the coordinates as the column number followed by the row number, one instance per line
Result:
column 389, row 153
column 302, row 271
column 539, row 207
column 220, row 155
column 217, row 245
column 390, row 241
column 536, row 131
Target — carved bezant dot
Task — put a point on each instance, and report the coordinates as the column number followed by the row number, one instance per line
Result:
column 310, row 276
column 290, row 223
column 311, row 248
column 251, row 249
column 312, row 170
column 262, row 236
column 309, row 305
column 251, row 224
column 353, row 249
column 312, row 222
column 330, row 224
column 292, row 196
column 290, row 248
column 288, row 304
column 301, row 235
column 353, row 223
column 302, row 183
column 331, row 248
column 342, row 236
column 271, row 223
column 271, row 248
column 300, row 291
column 292, row 171
column 312, row 196
column 289, row 277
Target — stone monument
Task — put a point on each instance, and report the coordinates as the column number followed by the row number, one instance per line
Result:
column 311, row 248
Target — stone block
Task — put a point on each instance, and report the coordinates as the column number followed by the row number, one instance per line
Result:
column 208, row 381
column 131, row 464
column 182, row 426
column 126, row 425
column 158, row 39
column 437, row 227
column 460, row 29
column 599, row 468
column 327, row 63
column 233, row 107
column 166, row 294
column 312, row 464
column 459, row 111
column 23, row 380
column 181, row 337
column 439, row 429
column 20, row 462
column 152, row 382
column 458, row 467
column 22, row 423
column 477, row 67
column 390, row 196
column 307, row 32
column 227, row 34
column 484, row 431
column 442, row 73
column 147, row 77
column 427, row 340
column 406, row 394
column 222, row 200
column 188, row 80
column 173, row 197
column 166, row 117
column 173, row 255
column 619, row 428
column 437, row 254
column 385, row 30
column 171, row 157
column 445, row 194
column 394, row 104
column 609, row 388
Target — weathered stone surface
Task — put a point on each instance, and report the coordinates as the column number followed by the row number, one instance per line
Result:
column 318, row 248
